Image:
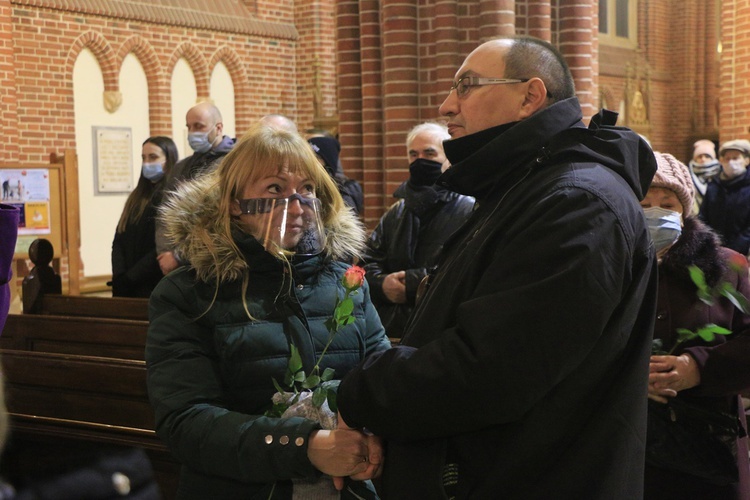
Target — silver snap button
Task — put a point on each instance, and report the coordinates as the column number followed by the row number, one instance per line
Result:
column 121, row 483
column 269, row 439
column 299, row 441
column 300, row 287
column 284, row 440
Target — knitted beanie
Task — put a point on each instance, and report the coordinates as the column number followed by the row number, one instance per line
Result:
column 672, row 174
column 704, row 146
column 328, row 149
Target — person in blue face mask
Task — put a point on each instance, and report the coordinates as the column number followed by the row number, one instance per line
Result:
column 406, row 244
column 135, row 268
column 707, row 375
column 205, row 128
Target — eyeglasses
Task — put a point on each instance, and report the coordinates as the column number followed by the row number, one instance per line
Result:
column 463, row 86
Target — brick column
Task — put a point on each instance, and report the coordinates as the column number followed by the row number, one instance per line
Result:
column 9, row 101
column 447, row 60
column 735, row 73
column 360, row 99
column 497, row 17
column 400, row 86
column 576, row 43
column 349, row 86
column 540, row 19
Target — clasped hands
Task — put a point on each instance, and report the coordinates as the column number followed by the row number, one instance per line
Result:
column 346, row 452
column 670, row 374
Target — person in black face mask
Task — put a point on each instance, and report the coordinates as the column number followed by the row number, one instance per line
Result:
column 406, row 244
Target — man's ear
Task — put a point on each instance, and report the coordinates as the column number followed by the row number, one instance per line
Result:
column 535, row 98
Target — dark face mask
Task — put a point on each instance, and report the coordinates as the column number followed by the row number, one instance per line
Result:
column 424, row 172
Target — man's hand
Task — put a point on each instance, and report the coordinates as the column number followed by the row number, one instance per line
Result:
column 669, row 375
column 394, row 287
column 167, row 262
column 340, row 452
column 375, row 458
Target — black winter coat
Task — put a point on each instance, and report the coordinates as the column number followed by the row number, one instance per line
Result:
column 135, row 270
column 726, row 208
column 410, row 237
column 523, row 371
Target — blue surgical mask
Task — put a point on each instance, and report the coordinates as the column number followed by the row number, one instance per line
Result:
column 153, row 171
column 664, row 225
column 199, row 142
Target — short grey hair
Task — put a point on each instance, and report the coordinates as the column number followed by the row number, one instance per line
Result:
column 439, row 130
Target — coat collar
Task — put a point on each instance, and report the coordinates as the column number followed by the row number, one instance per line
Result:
column 479, row 161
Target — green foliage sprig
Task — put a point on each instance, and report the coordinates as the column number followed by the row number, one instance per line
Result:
column 322, row 385
column 708, row 296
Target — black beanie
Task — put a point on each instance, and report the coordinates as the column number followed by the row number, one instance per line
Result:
column 328, row 149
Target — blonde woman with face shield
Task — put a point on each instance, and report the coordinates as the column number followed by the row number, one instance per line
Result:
column 706, row 375
column 266, row 236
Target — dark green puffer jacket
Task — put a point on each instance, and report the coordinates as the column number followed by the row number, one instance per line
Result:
column 210, row 366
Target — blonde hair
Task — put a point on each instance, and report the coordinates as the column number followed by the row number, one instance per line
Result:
column 262, row 152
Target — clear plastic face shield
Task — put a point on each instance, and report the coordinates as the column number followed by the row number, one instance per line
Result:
column 288, row 226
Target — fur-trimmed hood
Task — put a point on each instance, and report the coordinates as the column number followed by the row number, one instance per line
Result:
column 698, row 245
column 190, row 216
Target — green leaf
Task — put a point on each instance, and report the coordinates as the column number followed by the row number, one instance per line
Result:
column 327, row 374
column 318, row 397
column 349, row 320
column 277, row 386
column 311, row 382
column 345, row 308
column 709, row 332
column 735, row 297
column 299, row 376
column 684, row 334
column 696, row 274
column 332, row 404
column 331, row 324
column 295, row 360
column 657, row 346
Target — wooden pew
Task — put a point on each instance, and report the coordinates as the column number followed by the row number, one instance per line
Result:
column 76, row 381
column 96, row 307
column 104, row 337
column 55, row 399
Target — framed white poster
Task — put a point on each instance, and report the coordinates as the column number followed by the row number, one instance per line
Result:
column 113, row 160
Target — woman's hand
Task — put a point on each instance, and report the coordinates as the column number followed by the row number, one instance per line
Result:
column 340, row 452
column 669, row 375
column 374, row 460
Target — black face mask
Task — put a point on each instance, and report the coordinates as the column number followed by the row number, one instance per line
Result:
column 424, row 172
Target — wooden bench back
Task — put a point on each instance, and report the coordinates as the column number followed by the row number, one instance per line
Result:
column 103, row 337
column 77, row 388
column 96, row 307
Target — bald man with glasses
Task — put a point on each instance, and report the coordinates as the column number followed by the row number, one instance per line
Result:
column 523, row 370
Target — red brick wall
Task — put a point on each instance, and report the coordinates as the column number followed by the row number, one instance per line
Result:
column 383, row 67
column 271, row 73
column 734, row 110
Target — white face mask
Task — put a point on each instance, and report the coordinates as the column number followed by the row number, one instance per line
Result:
column 734, row 168
column 665, row 226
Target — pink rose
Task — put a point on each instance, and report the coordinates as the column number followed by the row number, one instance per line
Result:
column 354, row 277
